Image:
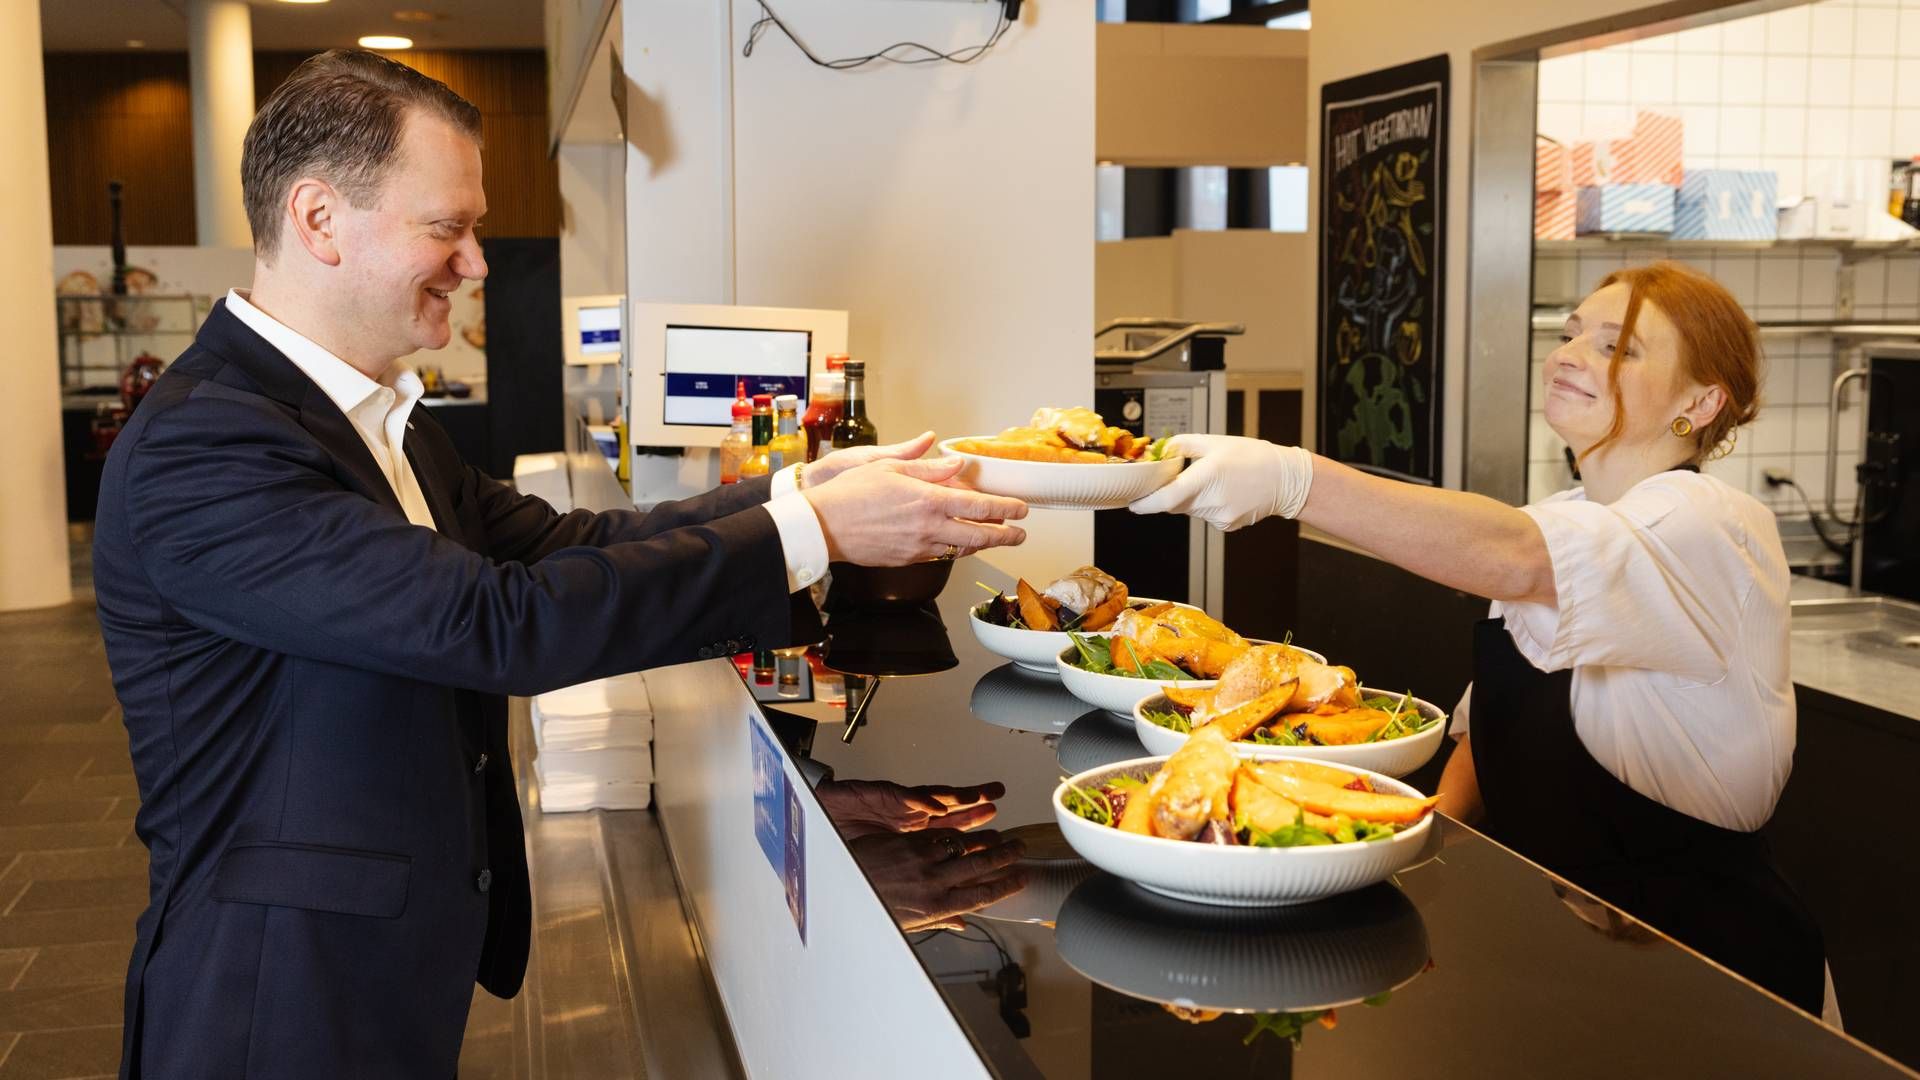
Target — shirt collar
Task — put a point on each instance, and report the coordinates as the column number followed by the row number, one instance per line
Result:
column 345, row 385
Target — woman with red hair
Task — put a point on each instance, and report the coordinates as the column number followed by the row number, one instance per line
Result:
column 1632, row 716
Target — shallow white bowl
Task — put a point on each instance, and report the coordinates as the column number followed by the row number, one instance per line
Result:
column 1031, row 649
column 1235, row 876
column 1395, row 757
column 1118, row 694
column 1057, row 485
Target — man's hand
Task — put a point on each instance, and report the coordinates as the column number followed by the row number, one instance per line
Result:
column 895, row 513
column 862, row 807
column 833, row 464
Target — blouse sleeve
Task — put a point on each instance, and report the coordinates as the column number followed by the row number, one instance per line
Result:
column 1655, row 580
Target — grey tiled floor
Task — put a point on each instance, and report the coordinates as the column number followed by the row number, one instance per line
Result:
column 72, row 875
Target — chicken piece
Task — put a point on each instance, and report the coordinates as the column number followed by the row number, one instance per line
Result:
column 1320, row 684
column 1237, row 721
column 1036, row 610
column 1178, row 635
column 1251, row 676
column 1091, row 593
column 1323, row 798
column 1191, row 789
column 1343, row 728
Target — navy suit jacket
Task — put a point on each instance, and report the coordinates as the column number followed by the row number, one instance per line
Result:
column 313, row 690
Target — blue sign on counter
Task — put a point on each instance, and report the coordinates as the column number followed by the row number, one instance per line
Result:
column 779, row 823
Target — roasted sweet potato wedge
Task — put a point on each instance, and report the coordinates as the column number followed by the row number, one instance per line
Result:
column 1338, row 729
column 1323, row 798
column 1237, row 721
column 1305, row 770
column 1260, row 806
column 1189, row 697
column 1036, row 610
column 1102, row 615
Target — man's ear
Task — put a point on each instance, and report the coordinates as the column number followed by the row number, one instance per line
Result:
column 312, row 209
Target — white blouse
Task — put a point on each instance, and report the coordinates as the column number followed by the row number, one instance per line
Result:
column 1672, row 613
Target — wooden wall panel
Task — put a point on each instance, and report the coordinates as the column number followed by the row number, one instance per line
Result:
column 128, row 116
column 120, row 116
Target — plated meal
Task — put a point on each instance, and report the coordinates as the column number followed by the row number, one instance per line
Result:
column 1065, row 459
column 1167, row 644
column 1206, row 792
column 1275, row 700
column 1206, row 825
column 1032, row 626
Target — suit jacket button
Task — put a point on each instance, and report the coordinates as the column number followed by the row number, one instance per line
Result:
column 480, row 764
column 484, row 881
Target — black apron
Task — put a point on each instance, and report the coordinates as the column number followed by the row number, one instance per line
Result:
column 1712, row 889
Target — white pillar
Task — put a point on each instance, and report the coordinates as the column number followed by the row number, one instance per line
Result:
column 220, row 56
column 33, row 493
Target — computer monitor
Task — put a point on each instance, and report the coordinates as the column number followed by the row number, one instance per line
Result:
column 592, row 329
column 687, row 361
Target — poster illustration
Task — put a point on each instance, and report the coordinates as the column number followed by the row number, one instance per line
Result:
column 779, row 821
column 1383, row 202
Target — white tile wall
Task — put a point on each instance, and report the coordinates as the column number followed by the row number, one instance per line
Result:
column 1814, row 92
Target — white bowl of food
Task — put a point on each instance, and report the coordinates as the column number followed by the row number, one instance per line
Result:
column 1407, row 739
column 1240, row 874
column 1064, row 459
column 1118, row 694
column 1030, row 628
column 1049, row 485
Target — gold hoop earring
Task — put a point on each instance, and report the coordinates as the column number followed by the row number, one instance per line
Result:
column 1681, row 427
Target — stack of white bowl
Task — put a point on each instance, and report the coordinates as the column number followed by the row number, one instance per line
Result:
column 595, row 746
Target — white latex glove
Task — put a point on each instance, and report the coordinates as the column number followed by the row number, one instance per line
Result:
column 1232, row 482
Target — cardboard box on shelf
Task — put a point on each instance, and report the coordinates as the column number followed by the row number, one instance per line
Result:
column 1727, row 204
column 1625, row 208
column 1554, row 196
column 1652, row 154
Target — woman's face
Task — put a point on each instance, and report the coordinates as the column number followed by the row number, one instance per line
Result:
column 1576, row 386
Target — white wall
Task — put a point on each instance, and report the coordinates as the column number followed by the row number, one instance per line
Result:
column 593, row 250
column 948, row 209
column 1353, row 37
column 1234, row 275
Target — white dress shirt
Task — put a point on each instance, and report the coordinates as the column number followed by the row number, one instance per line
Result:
column 379, row 410
column 1672, row 613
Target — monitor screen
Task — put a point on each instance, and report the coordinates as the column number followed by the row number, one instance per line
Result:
column 599, row 333
column 704, row 364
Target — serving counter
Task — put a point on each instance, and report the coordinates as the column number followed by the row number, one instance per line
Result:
column 1471, row 962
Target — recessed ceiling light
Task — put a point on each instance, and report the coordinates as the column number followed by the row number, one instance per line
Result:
column 386, row 41
column 136, row 43
column 415, row 15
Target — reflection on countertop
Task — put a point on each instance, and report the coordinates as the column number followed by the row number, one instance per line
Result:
column 1854, row 658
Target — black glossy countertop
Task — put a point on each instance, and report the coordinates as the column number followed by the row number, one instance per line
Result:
column 1476, row 962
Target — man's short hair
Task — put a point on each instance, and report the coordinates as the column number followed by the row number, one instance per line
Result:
column 338, row 117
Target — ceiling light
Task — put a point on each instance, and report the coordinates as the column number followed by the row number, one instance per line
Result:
column 386, row 41
column 136, row 43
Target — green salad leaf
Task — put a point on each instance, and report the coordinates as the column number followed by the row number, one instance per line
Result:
column 1095, row 653
column 1158, row 451
column 1170, row 720
column 1301, row 834
column 1091, row 804
column 1289, row 1026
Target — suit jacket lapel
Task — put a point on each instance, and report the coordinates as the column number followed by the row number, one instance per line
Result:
column 444, row 519
column 324, row 420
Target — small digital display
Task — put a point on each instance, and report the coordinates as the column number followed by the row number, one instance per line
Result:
column 599, row 332
column 704, row 365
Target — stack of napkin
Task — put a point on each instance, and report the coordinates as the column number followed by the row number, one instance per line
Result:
column 595, row 746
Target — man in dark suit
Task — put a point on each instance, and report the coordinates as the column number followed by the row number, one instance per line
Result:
column 312, row 607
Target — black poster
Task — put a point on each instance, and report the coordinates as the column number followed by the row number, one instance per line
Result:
column 1383, row 206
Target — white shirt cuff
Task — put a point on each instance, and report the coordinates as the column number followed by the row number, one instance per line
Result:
column 802, row 541
column 785, row 482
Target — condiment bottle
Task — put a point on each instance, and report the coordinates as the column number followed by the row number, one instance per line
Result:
column 738, row 445
column 757, row 463
column 853, row 428
column 788, row 447
column 824, row 407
